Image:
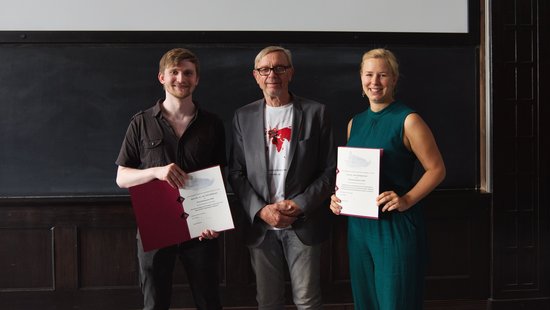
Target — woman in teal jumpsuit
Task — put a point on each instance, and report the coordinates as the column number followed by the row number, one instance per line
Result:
column 388, row 255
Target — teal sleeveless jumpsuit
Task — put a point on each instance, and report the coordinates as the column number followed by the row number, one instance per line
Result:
column 387, row 256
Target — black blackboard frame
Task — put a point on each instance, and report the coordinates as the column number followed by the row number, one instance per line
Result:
column 242, row 37
column 472, row 37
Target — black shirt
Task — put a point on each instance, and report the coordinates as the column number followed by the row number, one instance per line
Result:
column 151, row 142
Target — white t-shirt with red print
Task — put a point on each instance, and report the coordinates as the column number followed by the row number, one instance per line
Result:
column 278, row 132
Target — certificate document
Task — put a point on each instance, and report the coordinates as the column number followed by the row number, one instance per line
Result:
column 358, row 181
column 204, row 202
column 166, row 216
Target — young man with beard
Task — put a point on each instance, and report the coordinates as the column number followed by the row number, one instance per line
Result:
column 164, row 142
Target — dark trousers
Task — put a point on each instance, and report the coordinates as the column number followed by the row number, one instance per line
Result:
column 200, row 260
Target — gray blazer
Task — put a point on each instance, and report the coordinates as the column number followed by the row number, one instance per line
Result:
column 311, row 174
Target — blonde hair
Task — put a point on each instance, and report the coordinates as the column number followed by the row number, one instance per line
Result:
column 381, row 53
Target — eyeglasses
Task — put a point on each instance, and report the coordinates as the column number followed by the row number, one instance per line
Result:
column 276, row 69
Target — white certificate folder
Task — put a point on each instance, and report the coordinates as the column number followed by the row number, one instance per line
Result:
column 166, row 216
column 358, row 181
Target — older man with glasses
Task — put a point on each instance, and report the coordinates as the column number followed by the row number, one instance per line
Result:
column 282, row 168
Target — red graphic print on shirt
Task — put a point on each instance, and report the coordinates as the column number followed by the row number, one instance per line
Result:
column 278, row 136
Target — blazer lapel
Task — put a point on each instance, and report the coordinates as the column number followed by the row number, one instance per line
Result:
column 257, row 145
column 296, row 129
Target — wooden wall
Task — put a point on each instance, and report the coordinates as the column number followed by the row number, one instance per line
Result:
column 81, row 253
column 520, row 277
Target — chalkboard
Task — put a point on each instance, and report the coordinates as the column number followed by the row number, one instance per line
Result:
column 65, row 107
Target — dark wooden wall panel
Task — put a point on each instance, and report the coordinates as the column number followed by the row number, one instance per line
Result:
column 26, row 259
column 107, row 257
column 66, row 257
column 520, row 230
column 458, row 234
column 451, row 248
column 339, row 271
column 88, row 256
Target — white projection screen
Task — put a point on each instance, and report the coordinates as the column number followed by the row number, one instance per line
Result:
column 397, row 16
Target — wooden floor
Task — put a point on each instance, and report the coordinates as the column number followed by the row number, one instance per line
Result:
column 429, row 305
column 325, row 307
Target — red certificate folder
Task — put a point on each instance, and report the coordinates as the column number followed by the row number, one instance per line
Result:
column 159, row 215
